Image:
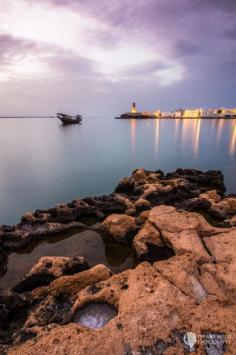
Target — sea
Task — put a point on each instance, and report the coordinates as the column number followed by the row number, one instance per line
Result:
column 43, row 163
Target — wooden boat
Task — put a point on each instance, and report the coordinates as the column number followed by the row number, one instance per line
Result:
column 67, row 119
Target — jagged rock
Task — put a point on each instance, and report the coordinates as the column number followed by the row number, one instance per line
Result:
column 148, row 237
column 130, row 212
column 212, row 179
column 125, row 186
column 139, row 174
column 179, row 230
column 174, row 188
column 190, row 288
column 48, row 269
column 30, row 234
column 143, row 216
column 10, row 302
column 114, row 203
column 223, row 208
column 71, row 284
column 28, row 218
column 121, row 227
column 57, row 298
column 219, row 207
column 154, row 313
column 211, row 196
column 141, row 204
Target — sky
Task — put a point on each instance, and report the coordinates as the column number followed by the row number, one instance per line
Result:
column 96, row 57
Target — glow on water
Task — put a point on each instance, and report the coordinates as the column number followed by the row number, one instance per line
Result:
column 43, row 163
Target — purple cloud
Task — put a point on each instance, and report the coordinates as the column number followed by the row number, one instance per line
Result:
column 197, row 37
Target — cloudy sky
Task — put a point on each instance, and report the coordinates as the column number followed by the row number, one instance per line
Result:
column 97, row 56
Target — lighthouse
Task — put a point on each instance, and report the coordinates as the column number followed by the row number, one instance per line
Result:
column 133, row 108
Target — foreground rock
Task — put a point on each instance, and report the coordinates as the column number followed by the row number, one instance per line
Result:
column 191, row 289
column 121, row 227
column 179, row 185
column 155, row 310
column 220, row 208
column 185, row 282
column 22, row 315
column 48, row 269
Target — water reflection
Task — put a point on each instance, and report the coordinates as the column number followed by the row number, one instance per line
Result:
column 233, row 139
column 197, row 134
column 133, row 135
column 89, row 159
column 187, row 133
column 177, row 127
column 88, row 244
column 219, row 130
column 157, row 124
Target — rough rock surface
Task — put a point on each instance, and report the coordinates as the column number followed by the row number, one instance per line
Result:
column 187, row 283
column 155, row 310
column 221, row 208
column 149, row 245
column 48, row 269
column 121, row 227
column 193, row 290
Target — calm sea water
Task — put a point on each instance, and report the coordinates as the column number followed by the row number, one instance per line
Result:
column 43, row 163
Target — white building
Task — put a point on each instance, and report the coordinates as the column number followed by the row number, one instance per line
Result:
column 168, row 114
column 178, row 114
column 210, row 113
column 192, row 113
column 227, row 112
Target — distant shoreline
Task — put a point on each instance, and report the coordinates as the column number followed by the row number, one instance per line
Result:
column 27, row 116
column 175, row 118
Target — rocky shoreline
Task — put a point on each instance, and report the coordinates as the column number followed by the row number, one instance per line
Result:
column 182, row 228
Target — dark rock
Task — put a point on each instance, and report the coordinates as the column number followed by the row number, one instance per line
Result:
column 209, row 180
column 8, row 229
column 53, row 309
column 23, row 335
column 94, row 289
column 13, row 313
column 33, row 281
column 26, row 235
column 125, row 186
column 10, row 302
column 3, row 263
column 119, row 326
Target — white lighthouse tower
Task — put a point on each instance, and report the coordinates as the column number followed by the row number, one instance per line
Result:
column 133, row 108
